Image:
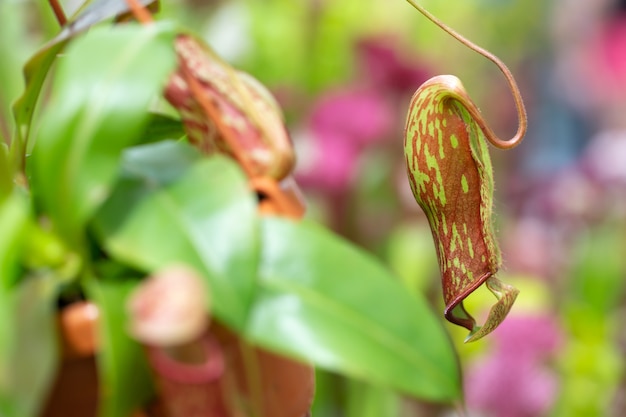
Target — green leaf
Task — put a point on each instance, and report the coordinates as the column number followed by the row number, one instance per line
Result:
column 6, row 177
column 14, row 213
column 161, row 127
column 36, row 69
column 364, row 400
column 28, row 346
column 35, row 72
column 173, row 207
column 99, row 106
column 13, row 216
column 324, row 300
column 125, row 377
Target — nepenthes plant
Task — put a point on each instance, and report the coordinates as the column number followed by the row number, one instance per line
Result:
column 451, row 177
column 101, row 193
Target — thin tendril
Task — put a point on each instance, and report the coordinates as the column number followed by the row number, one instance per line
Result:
column 58, row 12
column 517, row 97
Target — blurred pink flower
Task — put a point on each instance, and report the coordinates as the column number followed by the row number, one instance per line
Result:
column 332, row 166
column 387, row 68
column 361, row 117
column 345, row 122
column 342, row 125
column 613, row 47
column 514, row 380
column 604, row 62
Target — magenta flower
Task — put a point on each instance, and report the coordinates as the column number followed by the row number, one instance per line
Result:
column 332, row 165
column 344, row 123
column 387, row 69
column 515, row 380
column 612, row 57
column 341, row 126
column 603, row 63
column 361, row 117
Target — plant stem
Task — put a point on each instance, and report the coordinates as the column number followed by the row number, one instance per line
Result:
column 58, row 12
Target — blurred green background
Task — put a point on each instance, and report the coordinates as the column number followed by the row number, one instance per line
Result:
column 344, row 71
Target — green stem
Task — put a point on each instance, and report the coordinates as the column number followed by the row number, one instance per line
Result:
column 517, row 96
column 17, row 158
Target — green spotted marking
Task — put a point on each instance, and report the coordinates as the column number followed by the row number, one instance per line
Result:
column 456, row 242
column 454, row 141
column 437, row 186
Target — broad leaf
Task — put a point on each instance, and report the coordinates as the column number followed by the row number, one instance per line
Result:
column 99, row 107
column 173, row 207
column 323, row 300
column 35, row 72
column 28, row 346
column 125, row 379
column 36, row 69
column 364, row 400
column 161, row 127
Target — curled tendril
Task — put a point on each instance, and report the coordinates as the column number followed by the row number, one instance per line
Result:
column 517, row 96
